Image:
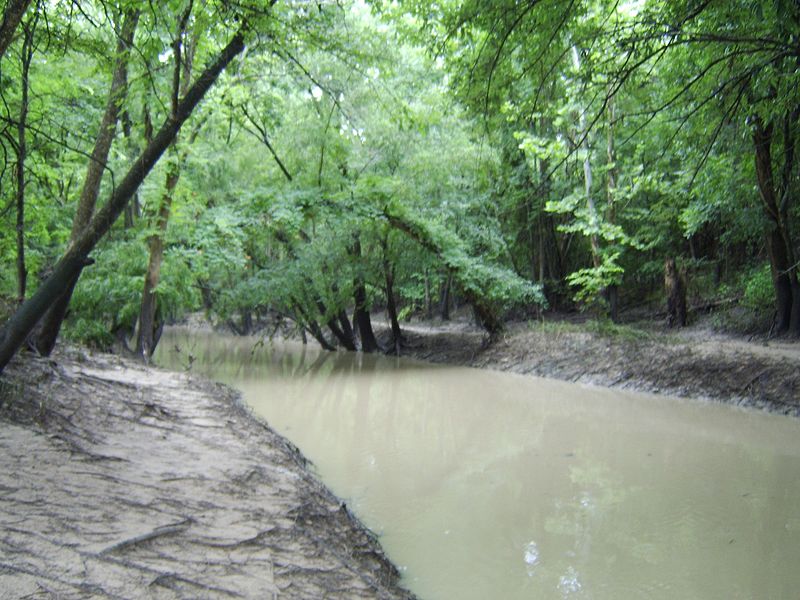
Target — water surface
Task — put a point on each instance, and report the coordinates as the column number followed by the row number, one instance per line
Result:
column 493, row 485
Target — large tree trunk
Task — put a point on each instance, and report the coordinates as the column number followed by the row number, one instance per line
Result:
column 45, row 341
column 22, row 322
column 12, row 15
column 775, row 200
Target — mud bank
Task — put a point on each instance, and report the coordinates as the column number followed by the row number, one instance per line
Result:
column 694, row 363
column 120, row 481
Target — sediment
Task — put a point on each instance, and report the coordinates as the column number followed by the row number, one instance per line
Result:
column 124, row 481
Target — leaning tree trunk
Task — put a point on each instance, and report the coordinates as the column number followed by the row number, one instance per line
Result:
column 45, row 340
column 22, row 322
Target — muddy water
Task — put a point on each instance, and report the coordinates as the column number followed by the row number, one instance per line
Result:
column 490, row 485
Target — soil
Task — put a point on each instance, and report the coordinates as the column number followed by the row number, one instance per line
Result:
column 695, row 362
column 121, row 481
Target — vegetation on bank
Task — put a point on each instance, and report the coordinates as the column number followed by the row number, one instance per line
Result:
column 319, row 161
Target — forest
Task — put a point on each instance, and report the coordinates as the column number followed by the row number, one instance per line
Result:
column 321, row 162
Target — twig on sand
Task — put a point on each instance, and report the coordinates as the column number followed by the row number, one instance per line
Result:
column 146, row 537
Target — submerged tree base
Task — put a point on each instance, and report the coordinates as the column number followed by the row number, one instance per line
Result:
column 124, row 481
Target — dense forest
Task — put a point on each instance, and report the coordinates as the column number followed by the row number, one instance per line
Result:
column 321, row 161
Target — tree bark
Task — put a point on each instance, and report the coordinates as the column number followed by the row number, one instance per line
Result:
column 775, row 201
column 12, row 15
column 22, row 322
column 45, row 340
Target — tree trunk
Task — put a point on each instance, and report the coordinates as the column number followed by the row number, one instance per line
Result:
column 22, row 322
column 361, row 313
column 391, row 307
column 22, row 152
column 775, row 202
column 45, row 340
column 148, row 313
column 611, row 291
column 587, row 177
column 149, row 320
column 12, row 15
column 132, row 210
column 444, row 306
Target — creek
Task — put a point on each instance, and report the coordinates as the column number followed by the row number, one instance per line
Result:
column 483, row 484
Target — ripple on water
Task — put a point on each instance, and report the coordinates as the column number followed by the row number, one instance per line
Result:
column 531, row 557
column 569, row 583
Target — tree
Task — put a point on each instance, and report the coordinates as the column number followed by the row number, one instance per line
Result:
column 45, row 341
column 22, row 322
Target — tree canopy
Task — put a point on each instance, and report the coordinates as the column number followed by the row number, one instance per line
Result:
column 321, row 162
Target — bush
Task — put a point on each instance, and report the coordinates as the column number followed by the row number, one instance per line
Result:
column 759, row 294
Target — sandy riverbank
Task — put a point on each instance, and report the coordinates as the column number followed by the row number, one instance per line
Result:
column 120, row 481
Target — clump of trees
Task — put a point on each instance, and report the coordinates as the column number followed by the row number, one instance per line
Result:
column 321, row 161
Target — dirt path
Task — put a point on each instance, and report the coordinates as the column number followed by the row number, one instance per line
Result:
column 695, row 362
column 118, row 481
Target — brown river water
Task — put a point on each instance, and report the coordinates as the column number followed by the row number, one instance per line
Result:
column 487, row 485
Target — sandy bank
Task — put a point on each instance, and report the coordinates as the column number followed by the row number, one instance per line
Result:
column 693, row 363
column 118, row 481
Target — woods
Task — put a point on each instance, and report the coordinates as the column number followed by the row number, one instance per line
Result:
column 319, row 163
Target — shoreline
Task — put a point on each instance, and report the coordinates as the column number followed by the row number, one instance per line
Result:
column 691, row 363
column 120, row 480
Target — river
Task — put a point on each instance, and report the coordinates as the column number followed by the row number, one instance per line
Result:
column 492, row 485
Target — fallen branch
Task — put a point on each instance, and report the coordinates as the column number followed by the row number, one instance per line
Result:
column 150, row 535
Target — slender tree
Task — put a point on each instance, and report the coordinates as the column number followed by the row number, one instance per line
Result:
column 149, row 324
column 45, row 341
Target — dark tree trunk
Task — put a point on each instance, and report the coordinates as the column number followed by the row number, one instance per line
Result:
column 22, row 322
column 309, row 324
column 12, row 15
column 22, row 152
column 391, row 307
column 45, row 340
column 345, row 337
column 775, row 199
column 361, row 313
column 444, row 306
column 675, row 287
column 347, row 328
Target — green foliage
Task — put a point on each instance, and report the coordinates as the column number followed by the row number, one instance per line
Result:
column 470, row 161
column 758, row 290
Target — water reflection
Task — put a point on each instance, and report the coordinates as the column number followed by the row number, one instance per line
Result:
column 492, row 485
